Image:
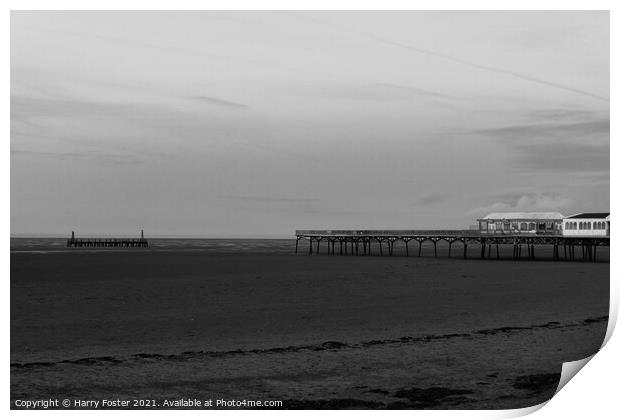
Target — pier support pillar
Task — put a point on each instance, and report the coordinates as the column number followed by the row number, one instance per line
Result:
column 514, row 251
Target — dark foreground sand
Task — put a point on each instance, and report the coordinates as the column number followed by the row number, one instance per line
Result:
column 315, row 332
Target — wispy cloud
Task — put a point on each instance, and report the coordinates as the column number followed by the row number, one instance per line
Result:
column 562, row 114
column 109, row 158
column 549, row 129
column 492, row 69
column 270, row 199
column 596, row 178
column 459, row 60
column 221, row 102
column 416, row 91
column 376, row 92
column 432, row 199
column 28, row 107
column 136, row 43
column 556, row 157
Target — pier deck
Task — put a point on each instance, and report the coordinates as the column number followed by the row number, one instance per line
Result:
column 359, row 242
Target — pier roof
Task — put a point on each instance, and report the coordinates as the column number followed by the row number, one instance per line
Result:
column 553, row 215
column 589, row 216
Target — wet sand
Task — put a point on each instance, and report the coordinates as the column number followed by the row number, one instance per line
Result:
column 315, row 332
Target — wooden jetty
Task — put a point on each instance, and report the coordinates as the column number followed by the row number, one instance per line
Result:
column 74, row 242
column 359, row 242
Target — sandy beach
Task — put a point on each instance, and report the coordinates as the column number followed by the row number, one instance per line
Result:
column 313, row 332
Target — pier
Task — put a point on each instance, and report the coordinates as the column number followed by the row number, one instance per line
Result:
column 381, row 242
column 140, row 242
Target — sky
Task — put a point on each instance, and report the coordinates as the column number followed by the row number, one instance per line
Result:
column 254, row 124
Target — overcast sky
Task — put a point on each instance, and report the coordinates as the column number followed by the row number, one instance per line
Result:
column 258, row 123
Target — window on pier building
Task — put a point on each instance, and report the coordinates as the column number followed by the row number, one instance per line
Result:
column 532, row 226
column 507, row 226
column 523, row 226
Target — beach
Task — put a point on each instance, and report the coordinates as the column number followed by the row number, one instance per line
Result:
column 251, row 320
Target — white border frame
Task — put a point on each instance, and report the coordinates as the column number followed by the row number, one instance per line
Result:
column 592, row 393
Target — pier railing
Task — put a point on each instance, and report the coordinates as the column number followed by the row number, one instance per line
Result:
column 416, row 232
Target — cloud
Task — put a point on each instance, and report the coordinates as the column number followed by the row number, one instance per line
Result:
column 484, row 67
column 568, row 157
column 560, row 114
column 585, row 128
column 558, row 143
column 271, row 200
column 416, row 91
column 27, row 107
column 432, row 199
column 140, row 45
column 377, row 92
column 220, row 102
column 110, row 158
column 596, row 178
column 526, row 202
column 460, row 60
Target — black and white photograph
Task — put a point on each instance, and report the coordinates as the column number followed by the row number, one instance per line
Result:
column 306, row 210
